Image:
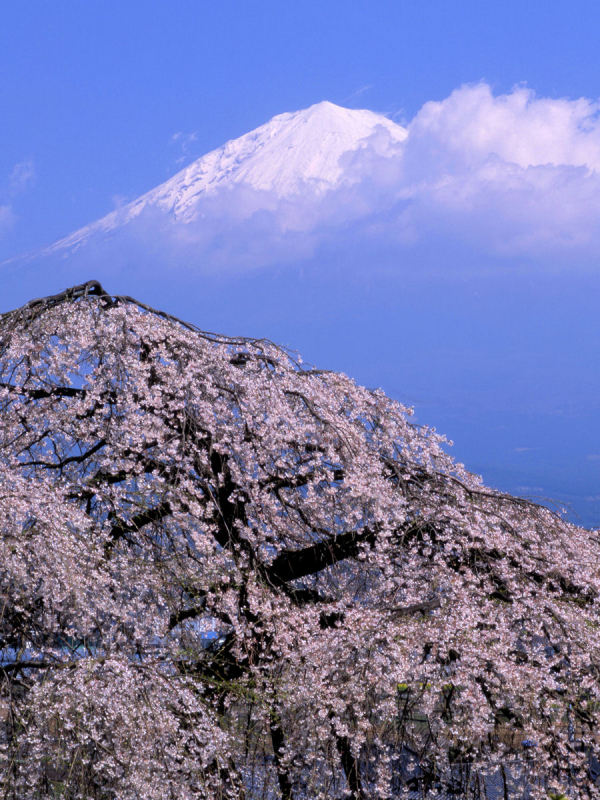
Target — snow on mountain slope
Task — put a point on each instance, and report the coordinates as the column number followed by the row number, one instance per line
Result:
column 287, row 155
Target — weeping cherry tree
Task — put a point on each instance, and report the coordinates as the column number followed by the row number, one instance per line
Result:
column 224, row 574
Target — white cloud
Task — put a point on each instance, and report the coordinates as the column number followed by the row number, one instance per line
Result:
column 18, row 181
column 358, row 93
column 21, row 176
column 184, row 143
column 472, row 125
column 6, row 217
column 511, row 175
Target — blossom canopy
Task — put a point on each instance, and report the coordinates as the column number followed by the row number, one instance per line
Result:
column 224, row 574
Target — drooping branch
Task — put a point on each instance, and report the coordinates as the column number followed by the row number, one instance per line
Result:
column 290, row 565
column 137, row 522
column 40, row 394
column 293, row 564
column 79, row 459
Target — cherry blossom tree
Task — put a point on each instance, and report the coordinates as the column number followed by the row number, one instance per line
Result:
column 226, row 575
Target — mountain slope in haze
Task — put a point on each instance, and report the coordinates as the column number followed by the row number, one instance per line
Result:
column 293, row 153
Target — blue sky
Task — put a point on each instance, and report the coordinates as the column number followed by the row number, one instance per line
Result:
column 101, row 101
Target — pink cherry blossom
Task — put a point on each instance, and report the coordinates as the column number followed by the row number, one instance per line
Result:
column 225, row 574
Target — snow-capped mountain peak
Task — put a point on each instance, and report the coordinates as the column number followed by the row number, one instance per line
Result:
column 282, row 157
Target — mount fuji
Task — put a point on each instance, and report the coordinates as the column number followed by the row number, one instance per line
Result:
column 292, row 158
